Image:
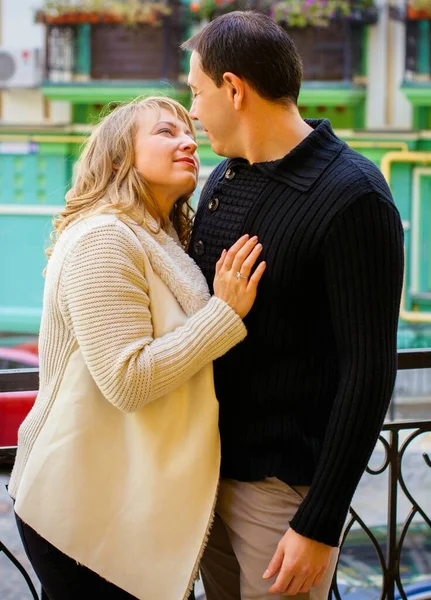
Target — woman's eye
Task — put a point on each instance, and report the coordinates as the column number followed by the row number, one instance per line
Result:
column 166, row 131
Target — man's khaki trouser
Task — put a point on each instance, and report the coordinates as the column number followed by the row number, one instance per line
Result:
column 251, row 518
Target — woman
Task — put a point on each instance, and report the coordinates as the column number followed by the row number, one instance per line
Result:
column 117, row 466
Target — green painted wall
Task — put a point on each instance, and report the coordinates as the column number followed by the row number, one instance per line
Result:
column 83, row 58
column 418, row 93
column 28, row 183
column 41, row 178
column 23, row 240
column 341, row 117
column 34, row 179
column 425, row 235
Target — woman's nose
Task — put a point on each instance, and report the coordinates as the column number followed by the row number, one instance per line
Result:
column 189, row 144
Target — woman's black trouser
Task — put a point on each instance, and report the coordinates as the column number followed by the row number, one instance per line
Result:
column 62, row 578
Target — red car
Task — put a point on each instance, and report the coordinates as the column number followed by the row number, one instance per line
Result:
column 14, row 406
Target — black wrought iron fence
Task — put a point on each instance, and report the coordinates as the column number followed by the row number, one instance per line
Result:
column 395, row 440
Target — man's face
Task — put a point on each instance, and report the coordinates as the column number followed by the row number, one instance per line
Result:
column 213, row 108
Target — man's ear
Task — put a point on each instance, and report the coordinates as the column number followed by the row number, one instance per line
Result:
column 235, row 88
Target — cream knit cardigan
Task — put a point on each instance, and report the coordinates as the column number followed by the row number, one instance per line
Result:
column 117, row 462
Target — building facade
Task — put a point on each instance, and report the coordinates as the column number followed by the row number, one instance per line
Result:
column 368, row 71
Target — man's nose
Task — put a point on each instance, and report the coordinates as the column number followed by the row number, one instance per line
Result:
column 192, row 112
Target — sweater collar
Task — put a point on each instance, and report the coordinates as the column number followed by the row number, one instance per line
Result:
column 304, row 164
column 176, row 269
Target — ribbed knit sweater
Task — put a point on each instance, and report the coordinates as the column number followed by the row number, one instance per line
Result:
column 303, row 398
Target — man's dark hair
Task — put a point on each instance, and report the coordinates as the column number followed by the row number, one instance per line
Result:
column 252, row 46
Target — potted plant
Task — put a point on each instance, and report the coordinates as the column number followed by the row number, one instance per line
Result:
column 318, row 25
column 304, row 13
column 363, row 11
column 418, row 10
column 63, row 12
column 320, row 13
column 207, row 10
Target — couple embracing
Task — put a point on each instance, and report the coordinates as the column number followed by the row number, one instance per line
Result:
column 210, row 391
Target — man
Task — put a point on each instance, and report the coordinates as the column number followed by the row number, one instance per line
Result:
column 303, row 398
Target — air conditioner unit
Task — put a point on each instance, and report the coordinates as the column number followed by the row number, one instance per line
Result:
column 20, row 67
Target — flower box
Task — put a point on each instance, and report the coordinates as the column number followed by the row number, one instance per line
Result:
column 321, row 13
column 414, row 14
column 151, row 12
column 414, row 10
column 107, row 49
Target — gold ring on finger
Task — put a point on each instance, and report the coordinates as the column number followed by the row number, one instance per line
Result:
column 240, row 276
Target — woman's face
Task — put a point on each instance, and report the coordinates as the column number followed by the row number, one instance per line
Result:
column 165, row 154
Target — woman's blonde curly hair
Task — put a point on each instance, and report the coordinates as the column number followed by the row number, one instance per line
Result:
column 107, row 179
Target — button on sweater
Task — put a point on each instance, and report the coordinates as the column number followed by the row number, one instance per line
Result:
column 303, row 398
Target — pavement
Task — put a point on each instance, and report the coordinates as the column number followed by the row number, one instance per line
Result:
column 12, row 584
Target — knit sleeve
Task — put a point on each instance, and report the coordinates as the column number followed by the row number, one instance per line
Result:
column 104, row 298
column 363, row 262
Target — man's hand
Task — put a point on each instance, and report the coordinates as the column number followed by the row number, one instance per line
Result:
column 300, row 563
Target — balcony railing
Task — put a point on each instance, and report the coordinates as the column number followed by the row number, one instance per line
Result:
column 395, row 439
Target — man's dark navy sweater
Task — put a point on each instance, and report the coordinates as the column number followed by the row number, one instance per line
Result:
column 303, row 398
